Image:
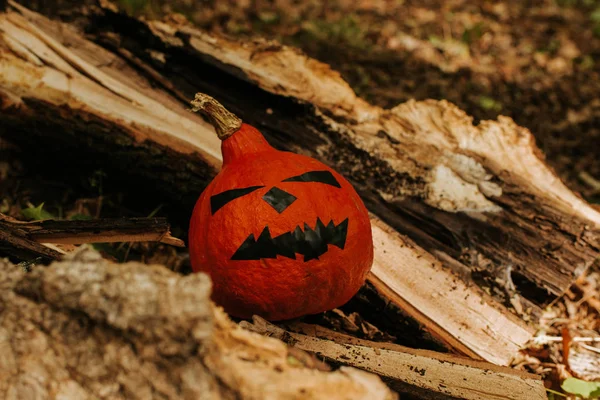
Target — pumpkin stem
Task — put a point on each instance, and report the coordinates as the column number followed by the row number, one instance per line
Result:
column 225, row 122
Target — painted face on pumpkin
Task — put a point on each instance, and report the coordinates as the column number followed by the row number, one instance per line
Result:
column 305, row 240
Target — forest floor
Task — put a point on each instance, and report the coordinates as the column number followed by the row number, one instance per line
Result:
column 535, row 61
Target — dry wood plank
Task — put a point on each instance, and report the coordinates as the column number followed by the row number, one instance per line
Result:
column 101, row 230
column 462, row 316
column 427, row 374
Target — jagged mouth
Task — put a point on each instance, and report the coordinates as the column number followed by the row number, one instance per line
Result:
column 311, row 243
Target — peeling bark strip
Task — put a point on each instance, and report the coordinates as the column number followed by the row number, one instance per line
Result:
column 85, row 328
column 425, row 374
column 477, row 200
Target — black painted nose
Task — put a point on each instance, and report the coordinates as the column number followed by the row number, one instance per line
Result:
column 279, row 199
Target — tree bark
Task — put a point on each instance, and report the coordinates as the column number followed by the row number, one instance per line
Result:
column 472, row 204
column 85, row 328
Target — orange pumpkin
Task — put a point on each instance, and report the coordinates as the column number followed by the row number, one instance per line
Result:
column 281, row 235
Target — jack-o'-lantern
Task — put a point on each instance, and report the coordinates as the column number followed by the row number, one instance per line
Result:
column 280, row 234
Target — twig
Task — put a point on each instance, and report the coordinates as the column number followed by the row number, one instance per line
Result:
column 544, row 339
column 590, row 348
column 590, row 181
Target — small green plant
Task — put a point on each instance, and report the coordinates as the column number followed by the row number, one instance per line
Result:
column 586, row 62
column 473, row 33
column 134, row 7
column 552, row 47
column 268, row 17
column 489, row 104
column 80, row 217
column 345, row 31
column 97, row 181
column 4, row 206
column 587, row 390
column 36, row 213
column 577, row 3
column 595, row 18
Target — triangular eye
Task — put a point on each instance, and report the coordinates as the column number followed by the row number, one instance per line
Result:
column 325, row 177
column 219, row 200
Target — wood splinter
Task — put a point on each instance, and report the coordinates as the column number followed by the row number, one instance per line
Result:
column 424, row 373
column 26, row 240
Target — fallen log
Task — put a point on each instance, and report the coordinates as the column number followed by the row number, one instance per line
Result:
column 475, row 221
column 85, row 328
column 421, row 373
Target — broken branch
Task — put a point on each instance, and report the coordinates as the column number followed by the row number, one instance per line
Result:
column 15, row 243
column 23, row 239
